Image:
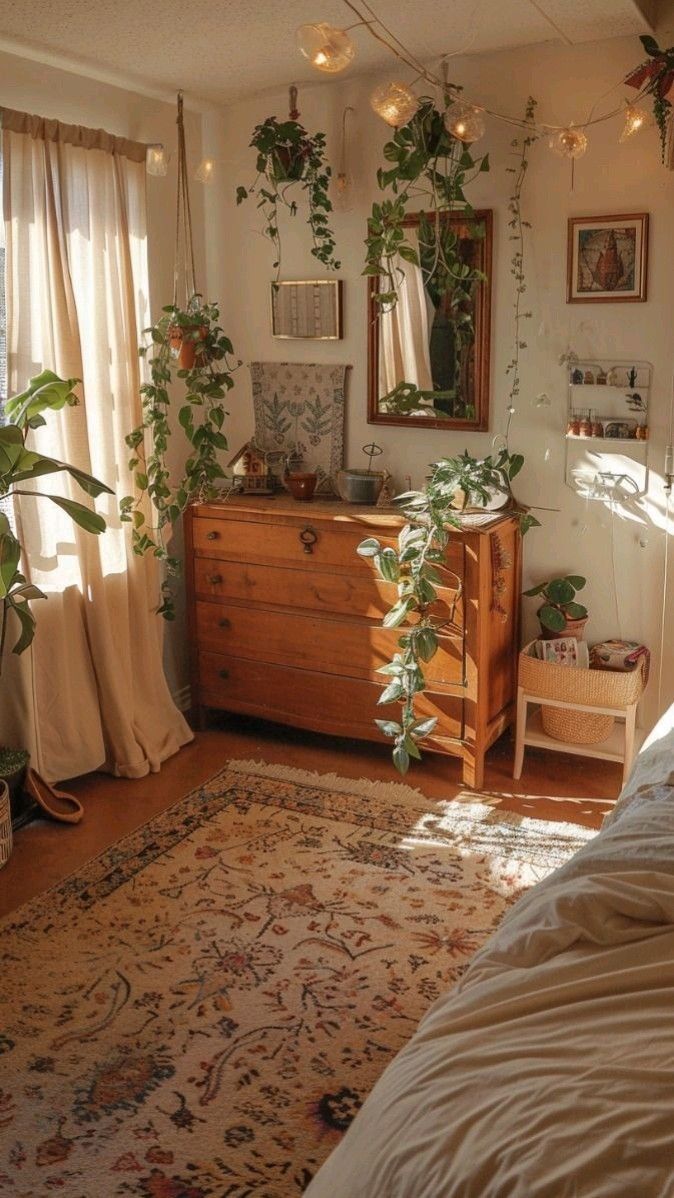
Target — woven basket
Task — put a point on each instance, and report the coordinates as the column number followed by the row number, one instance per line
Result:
column 5, row 825
column 592, row 688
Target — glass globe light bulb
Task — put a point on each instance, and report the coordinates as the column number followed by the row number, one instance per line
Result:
column 328, row 49
column 394, row 103
column 156, row 160
column 569, row 143
column 635, row 119
column 465, row 121
column 205, row 170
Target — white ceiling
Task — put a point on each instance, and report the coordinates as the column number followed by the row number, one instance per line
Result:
column 222, row 50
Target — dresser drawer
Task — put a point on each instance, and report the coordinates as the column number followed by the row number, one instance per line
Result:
column 352, row 648
column 342, row 706
column 306, row 544
column 359, row 594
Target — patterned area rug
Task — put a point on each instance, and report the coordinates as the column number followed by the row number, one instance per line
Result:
column 200, row 1011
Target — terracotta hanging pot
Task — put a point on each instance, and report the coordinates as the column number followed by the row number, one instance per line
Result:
column 183, row 347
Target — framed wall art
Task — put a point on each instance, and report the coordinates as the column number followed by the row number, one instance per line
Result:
column 607, row 259
column 308, row 309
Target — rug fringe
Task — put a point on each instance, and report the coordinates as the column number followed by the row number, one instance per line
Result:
column 368, row 787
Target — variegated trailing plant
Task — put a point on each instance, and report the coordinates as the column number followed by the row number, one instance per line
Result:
column 455, row 483
column 201, row 417
column 20, row 464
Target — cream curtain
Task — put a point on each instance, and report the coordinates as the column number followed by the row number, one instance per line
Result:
column 91, row 693
column 404, row 339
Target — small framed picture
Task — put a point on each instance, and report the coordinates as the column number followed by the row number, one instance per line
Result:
column 607, row 259
column 307, row 308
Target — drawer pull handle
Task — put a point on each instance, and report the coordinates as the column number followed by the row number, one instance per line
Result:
column 308, row 537
column 214, row 579
column 224, row 623
column 212, row 536
column 224, row 673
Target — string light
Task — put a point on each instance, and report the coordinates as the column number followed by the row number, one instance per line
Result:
column 328, row 49
column 156, row 160
column 465, row 121
column 635, row 119
column 569, row 143
column 394, row 103
column 205, row 170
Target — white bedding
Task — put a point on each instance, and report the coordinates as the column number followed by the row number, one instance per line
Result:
column 548, row 1072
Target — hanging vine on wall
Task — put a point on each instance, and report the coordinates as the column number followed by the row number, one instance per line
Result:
column 430, row 168
column 186, row 345
column 517, row 225
column 288, row 157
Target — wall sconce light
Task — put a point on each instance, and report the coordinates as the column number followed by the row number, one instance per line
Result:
column 156, row 160
column 205, row 170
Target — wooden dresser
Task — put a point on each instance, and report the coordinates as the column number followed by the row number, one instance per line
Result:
column 284, row 622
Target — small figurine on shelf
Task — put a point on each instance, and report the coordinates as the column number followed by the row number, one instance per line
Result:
column 573, row 427
column 597, row 427
column 613, row 377
column 589, row 377
column 601, row 378
column 585, row 428
column 642, row 432
column 632, row 377
column 577, row 377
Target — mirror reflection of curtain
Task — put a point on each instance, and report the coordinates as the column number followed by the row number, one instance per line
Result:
column 91, row 691
column 404, row 334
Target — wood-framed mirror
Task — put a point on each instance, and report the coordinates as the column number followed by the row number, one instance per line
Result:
column 429, row 356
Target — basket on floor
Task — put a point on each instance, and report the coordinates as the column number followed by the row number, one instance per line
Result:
column 5, row 825
column 592, row 688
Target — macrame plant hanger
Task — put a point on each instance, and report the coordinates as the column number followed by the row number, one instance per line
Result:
column 184, row 276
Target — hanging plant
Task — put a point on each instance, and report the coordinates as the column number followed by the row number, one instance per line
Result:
column 655, row 78
column 517, row 225
column 289, row 157
column 454, row 485
column 431, row 169
column 186, row 347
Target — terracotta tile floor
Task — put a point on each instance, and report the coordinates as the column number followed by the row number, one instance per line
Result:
column 553, row 786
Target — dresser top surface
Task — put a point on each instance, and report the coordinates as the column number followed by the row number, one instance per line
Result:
column 282, row 504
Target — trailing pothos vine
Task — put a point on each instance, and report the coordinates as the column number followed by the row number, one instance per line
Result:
column 193, row 336
column 415, row 567
column 431, row 169
column 287, row 158
column 516, row 223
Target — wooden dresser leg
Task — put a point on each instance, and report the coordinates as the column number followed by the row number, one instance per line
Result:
column 473, row 770
column 520, row 728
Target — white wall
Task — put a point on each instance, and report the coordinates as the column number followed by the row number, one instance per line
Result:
column 612, row 178
column 62, row 95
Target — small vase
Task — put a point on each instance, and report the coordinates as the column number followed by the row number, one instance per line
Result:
column 300, row 484
column 573, row 628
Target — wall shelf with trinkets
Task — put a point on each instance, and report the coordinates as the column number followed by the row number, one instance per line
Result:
column 607, row 427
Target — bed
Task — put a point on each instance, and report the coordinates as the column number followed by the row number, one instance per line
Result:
column 548, row 1072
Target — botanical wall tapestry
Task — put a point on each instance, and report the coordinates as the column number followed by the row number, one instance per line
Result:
column 299, row 412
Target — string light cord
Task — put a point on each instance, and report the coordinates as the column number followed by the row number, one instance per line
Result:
column 395, row 46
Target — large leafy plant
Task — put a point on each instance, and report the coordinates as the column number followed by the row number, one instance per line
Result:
column 201, row 416
column 20, row 464
column 430, row 168
column 289, row 158
column 414, row 568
